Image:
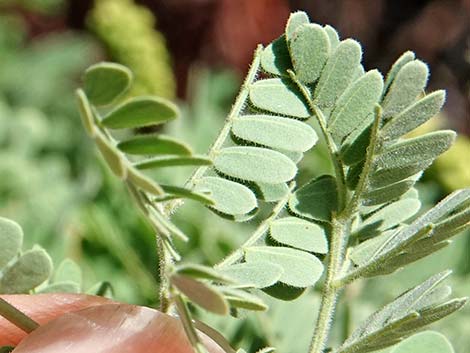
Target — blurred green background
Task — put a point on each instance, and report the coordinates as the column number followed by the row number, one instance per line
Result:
column 53, row 183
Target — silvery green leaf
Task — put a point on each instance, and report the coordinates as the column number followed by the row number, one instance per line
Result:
column 413, row 116
column 229, row 197
column 362, row 253
column 295, row 156
column 202, row 294
column 241, row 299
column 111, row 155
column 387, row 176
column 86, row 113
column 355, row 105
column 144, row 182
column 173, row 161
column 141, row 112
column 337, row 74
column 300, row 234
column 279, row 96
column 456, row 220
column 415, row 150
column 333, row 37
column 11, row 238
column 202, row 272
column 275, row 58
column 315, row 200
column 396, row 67
column 296, row 19
column 257, row 274
column 154, row 144
column 424, row 342
column 387, row 193
column 177, row 191
column 301, row 269
column 62, row 287
column 355, row 145
column 270, row 192
column 409, row 82
column 393, row 214
column 275, row 132
column 31, row 269
column 255, row 164
column 309, row 49
column 360, row 71
column 68, row 271
column 105, row 82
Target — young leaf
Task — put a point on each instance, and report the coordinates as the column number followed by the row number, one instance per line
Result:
column 409, row 82
column 105, row 82
column 111, row 155
column 275, row 58
column 296, row 19
column 240, row 299
column 154, row 144
column 11, row 239
column 337, row 74
column 144, row 182
column 140, row 112
column 173, row 161
column 202, row 272
column 387, row 193
column 279, row 96
column 204, row 295
column 229, row 197
column 355, row 105
column 333, row 37
column 204, row 198
column 258, row 274
column 68, row 271
column 86, row 113
column 396, row 67
column 424, row 342
column 387, row 176
column 29, row 271
column 300, row 234
column 415, row 150
column 309, row 48
column 301, row 269
column 255, row 164
column 275, row 132
column 315, row 200
column 362, row 253
column 414, row 116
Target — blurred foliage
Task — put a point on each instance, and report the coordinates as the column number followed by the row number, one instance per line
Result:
column 48, row 7
column 127, row 30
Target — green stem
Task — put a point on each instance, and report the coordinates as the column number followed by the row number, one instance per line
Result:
column 258, row 233
column 330, row 291
column 188, row 325
column 16, row 317
column 234, row 112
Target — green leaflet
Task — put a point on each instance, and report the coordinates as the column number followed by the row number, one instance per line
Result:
column 11, row 238
column 296, row 19
column 337, row 74
column 409, row 82
column 275, row 58
column 315, row 200
column 300, row 234
column 279, row 96
column 140, row 112
column 229, row 197
column 424, row 342
column 362, row 253
column 154, row 144
column 105, row 82
column 384, row 177
column 173, row 161
column 204, row 295
column 62, row 287
column 401, row 61
column 309, row 49
column 257, row 274
column 86, row 113
column 240, row 299
column 202, row 272
column 255, row 164
column 301, row 269
column 333, row 37
column 68, row 271
column 31, row 269
column 283, row 291
column 387, row 193
column 415, row 150
column 276, row 132
column 270, row 192
column 413, row 116
column 178, row 191
column 144, row 182
column 455, row 221
column 355, row 105
column 355, row 145
column 393, row 214
column 111, row 155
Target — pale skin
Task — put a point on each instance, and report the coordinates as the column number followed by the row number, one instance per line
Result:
column 76, row 323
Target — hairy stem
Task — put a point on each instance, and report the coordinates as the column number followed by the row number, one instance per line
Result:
column 330, row 291
column 16, row 317
column 234, row 112
column 259, row 232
